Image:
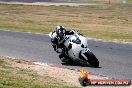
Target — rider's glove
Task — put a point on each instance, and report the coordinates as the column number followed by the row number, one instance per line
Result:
column 71, row 32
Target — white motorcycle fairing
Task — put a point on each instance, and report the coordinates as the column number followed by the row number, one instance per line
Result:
column 79, row 50
column 77, row 42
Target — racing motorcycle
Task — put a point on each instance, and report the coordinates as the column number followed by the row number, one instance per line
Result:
column 78, row 51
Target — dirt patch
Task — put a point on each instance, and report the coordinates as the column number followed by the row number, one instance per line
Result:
column 60, row 73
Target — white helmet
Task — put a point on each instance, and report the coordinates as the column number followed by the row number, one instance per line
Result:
column 60, row 30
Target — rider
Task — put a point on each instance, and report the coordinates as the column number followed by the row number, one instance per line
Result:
column 58, row 39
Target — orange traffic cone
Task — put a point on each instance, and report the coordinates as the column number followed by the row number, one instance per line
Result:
column 84, row 81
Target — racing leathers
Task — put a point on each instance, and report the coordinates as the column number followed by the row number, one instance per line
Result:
column 58, row 44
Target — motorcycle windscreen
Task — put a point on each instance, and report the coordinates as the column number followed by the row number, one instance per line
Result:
column 77, row 41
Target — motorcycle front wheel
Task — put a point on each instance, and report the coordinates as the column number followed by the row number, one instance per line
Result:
column 91, row 59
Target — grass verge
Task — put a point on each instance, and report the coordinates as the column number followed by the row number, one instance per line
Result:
column 107, row 22
column 19, row 77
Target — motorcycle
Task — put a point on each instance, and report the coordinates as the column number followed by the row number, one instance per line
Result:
column 78, row 51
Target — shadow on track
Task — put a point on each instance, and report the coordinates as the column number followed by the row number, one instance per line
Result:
column 75, row 64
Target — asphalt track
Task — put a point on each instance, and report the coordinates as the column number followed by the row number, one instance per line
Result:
column 115, row 59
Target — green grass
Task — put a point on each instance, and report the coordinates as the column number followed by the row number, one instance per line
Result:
column 107, row 22
column 16, row 77
column 109, row 36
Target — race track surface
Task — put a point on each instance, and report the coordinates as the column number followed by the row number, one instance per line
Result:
column 115, row 59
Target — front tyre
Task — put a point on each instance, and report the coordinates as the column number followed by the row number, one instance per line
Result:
column 90, row 58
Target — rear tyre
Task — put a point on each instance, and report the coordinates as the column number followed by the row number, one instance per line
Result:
column 64, row 58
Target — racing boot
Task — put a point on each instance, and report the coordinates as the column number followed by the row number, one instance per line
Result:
column 62, row 57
